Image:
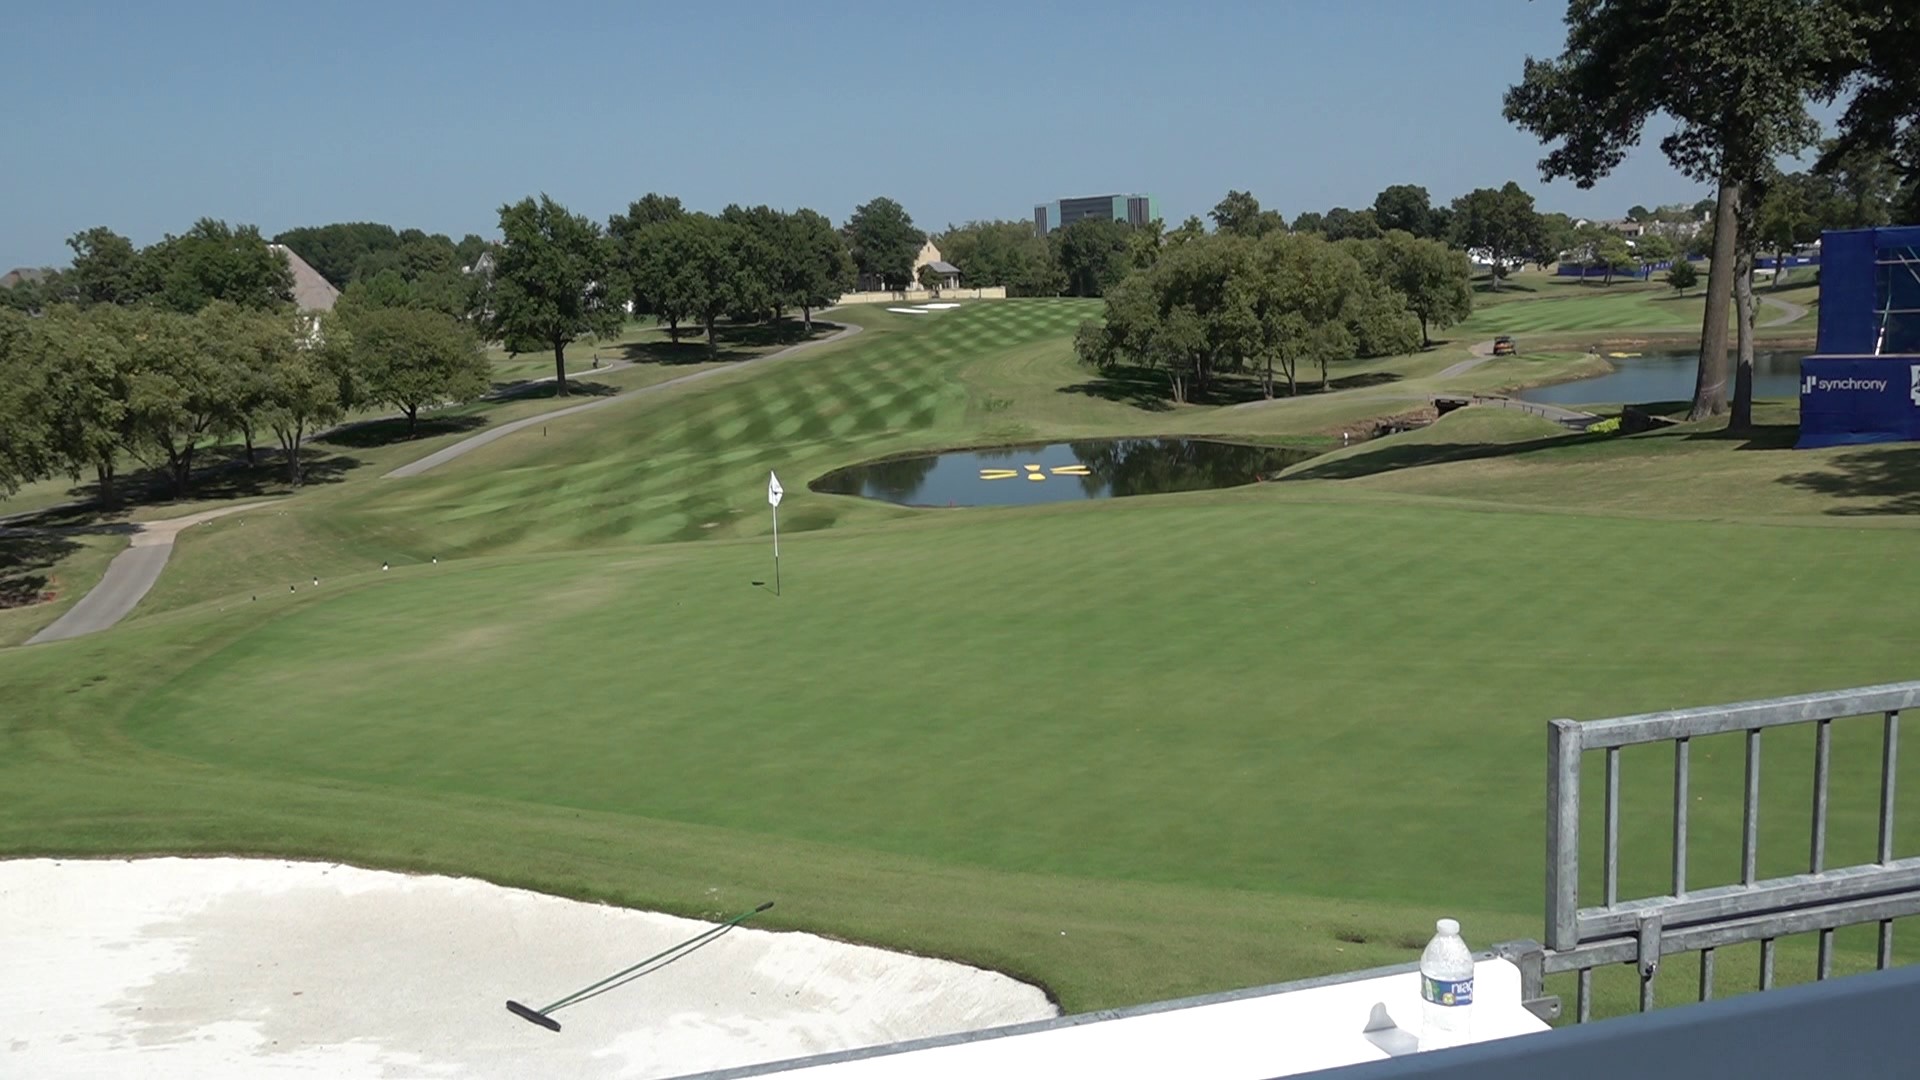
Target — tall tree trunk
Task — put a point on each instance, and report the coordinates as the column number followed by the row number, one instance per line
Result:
column 1426, row 342
column 103, row 476
column 673, row 329
column 1710, row 384
column 290, row 439
column 246, row 433
column 559, row 369
column 1493, row 271
column 806, row 316
column 1742, row 418
column 413, row 419
column 712, row 346
column 1323, row 374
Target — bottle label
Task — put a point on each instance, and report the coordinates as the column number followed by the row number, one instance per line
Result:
column 1446, row 992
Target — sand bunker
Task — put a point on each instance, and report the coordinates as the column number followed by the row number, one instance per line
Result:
column 909, row 311
column 243, row 967
column 939, row 307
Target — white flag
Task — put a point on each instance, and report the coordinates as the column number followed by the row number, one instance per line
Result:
column 774, row 491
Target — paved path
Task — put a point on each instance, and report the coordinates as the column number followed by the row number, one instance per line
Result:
column 129, row 576
column 464, row 446
column 1789, row 312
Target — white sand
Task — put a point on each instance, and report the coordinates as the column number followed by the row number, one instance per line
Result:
column 908, row 311
column 243, row 967
column 939, row 307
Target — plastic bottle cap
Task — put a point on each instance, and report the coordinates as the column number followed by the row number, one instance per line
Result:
column 1448, row 927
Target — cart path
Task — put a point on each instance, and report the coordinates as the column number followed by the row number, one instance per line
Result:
column 129, row 576
column 468, row 445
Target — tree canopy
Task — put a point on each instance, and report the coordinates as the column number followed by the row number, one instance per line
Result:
column 1239, row 213
column 1500, row 221
column 1735, row 77
column 884, row 242
column 1093, row 254
column 554, row 281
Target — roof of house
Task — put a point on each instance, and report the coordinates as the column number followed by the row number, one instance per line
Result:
column 940, row 267
column 311, row 292
column 21, row 273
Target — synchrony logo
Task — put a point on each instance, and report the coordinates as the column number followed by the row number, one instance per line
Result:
column 1813, row 383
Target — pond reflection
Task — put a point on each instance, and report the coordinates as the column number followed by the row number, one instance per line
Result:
column 1060, row 472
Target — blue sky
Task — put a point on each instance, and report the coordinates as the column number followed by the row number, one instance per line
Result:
column 429, row 114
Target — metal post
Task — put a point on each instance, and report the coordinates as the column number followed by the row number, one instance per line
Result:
column 1706, row 974
column 1612, row 844
column 1822, row 749
column 1750, row 831
column 1563, row 838
column 1889, row 754
column 1680, row 756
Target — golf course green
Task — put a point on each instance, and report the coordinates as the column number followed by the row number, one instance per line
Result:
column 1129, row 749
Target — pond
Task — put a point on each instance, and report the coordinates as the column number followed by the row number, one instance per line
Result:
column 1668, row 376
column 1060, row 472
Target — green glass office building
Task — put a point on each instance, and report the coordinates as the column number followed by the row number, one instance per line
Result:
column 1132, row 209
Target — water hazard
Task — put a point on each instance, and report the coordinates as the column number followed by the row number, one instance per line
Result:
column 1668, row 376
column 1060, row 472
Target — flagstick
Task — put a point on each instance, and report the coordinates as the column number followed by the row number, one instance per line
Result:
column 776, row 551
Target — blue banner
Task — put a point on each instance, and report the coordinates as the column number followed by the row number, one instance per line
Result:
column 1851, row 400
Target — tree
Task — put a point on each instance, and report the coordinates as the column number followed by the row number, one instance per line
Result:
column 1309, row 222
column 1557, row 234
column 235, row 342
column 1239, row 214
column 1189, row 317
column 884, row 242
column 817, row 268
column 1735, row 77
column 1344, row 224
column 334, row 251
column 106, row 268
column 1227, row 303
column 1636, row 212
column 759, row 252
column 1007, row 253
column 24, row 408
column 1613, row 254
column 634, row 238
column 1785, row 218
column 699, row 257
column 1406, row 207
column 553, row 282
column 216, row 261
column 1883, row 118
column 1191, row 229
column 1092, row 254
column 411, row 359
column 930, row 279
column 177, row 394
column 1435, row 280
column 1500, row 221
column 306, row 357
column 1682, row 276
column 1145, row 241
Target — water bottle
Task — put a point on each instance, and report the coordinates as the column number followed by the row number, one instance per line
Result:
column 1446, row 988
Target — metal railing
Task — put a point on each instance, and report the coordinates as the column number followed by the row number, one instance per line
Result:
column 1640, row 931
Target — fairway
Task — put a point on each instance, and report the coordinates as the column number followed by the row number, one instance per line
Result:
column 1127, row 749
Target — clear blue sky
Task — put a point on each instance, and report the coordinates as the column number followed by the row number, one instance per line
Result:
column 144, row 117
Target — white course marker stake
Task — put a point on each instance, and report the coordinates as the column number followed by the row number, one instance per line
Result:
column 774, row 491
